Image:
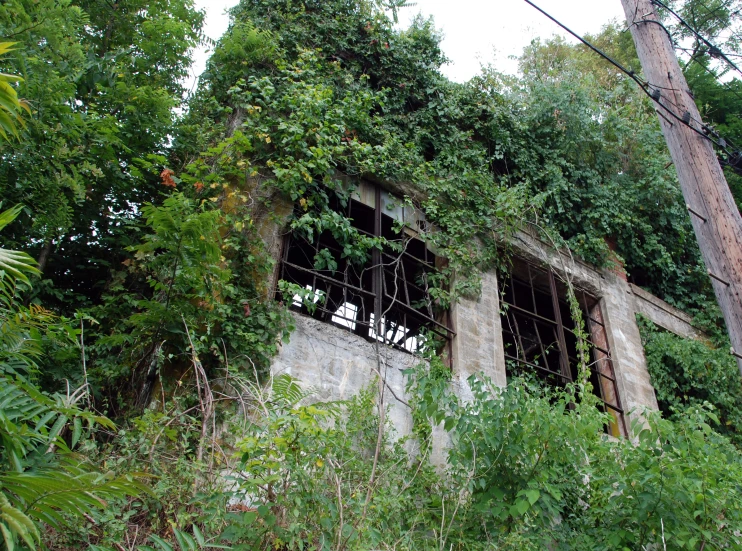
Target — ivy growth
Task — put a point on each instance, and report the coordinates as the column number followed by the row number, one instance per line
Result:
column 687, row 372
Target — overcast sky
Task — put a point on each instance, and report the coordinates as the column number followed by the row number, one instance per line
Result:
column 475, row 31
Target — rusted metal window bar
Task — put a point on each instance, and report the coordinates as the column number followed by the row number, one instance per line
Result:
column 532, row 298
column 377, row 297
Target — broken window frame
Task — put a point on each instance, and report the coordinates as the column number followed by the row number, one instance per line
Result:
column 383, row 288
column 543, row 281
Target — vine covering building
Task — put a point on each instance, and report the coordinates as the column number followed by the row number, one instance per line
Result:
column 520, row 324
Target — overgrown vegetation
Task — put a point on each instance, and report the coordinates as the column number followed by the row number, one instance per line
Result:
column 151, row 302
column 687, row 372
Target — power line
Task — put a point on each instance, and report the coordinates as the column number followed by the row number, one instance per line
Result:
column 655, row 94
column 714, row 51
column 713, row 74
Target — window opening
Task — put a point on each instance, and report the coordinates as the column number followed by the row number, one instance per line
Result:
column 392, row 286
column 540, row 336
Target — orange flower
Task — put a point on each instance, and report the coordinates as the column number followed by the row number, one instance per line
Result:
column 199, row 187
column 167, row 178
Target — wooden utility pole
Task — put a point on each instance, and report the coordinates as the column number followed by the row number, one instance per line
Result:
column 716, row 220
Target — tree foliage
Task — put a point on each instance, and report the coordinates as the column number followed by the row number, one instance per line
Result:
column 687, row 373
column 156, row 221
column 41, row 480
column 102, row 80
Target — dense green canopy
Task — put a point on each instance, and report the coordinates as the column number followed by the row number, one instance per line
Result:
column 146, row 211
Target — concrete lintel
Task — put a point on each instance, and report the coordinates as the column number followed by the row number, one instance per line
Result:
column 535, row 250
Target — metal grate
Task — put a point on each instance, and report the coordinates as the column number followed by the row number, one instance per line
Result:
column 391, row 286
column 540, row 337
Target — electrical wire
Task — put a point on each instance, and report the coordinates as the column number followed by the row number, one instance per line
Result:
column 734, row 161
column 706, row 132
column 714, row 51
column 737, row 156
column 713, row 74
column 695, row 58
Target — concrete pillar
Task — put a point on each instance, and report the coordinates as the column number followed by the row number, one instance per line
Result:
column 632, row 376
column 478, row 346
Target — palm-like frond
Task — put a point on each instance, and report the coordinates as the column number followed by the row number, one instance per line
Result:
column 31, row 420
column 14, row 264
column 17, row 264
column 20, row 330
column 15, row 524
column 31, row 423
column 10, row 105
column 50, row 495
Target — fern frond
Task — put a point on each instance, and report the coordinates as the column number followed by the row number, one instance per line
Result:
column 48, row 495
column 286, row 390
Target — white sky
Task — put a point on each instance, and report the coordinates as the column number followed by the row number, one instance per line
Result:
column 475, row 31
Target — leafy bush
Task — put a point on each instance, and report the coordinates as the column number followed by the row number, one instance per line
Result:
column 687, row 372
column 305, row 478
column 41, row 480
column 533, row 466
column 528, row 468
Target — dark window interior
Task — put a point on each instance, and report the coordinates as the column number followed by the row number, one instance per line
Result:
column 540, row 338
column 390, row 285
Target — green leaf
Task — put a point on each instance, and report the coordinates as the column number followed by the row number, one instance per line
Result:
column 162, row 544
column 198, row 535
column 532, row 496
column 76, row 431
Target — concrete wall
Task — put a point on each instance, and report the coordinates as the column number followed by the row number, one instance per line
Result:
column 337, row 364
column 477, row 347
column 634, row 384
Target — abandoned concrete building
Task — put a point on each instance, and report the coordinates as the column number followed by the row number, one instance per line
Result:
column 520, row 323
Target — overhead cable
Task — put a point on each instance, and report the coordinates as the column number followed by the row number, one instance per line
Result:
column 714, row 51
column 654, row 92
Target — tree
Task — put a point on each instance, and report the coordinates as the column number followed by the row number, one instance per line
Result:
column 103, row 81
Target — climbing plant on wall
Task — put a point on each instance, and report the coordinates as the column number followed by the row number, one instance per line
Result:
column 687, row 372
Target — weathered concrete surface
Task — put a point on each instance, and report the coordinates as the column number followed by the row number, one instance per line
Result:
column 478, row 347
column 338, row 364
column 634, row 384
column 666, row 316
column 539, row 252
